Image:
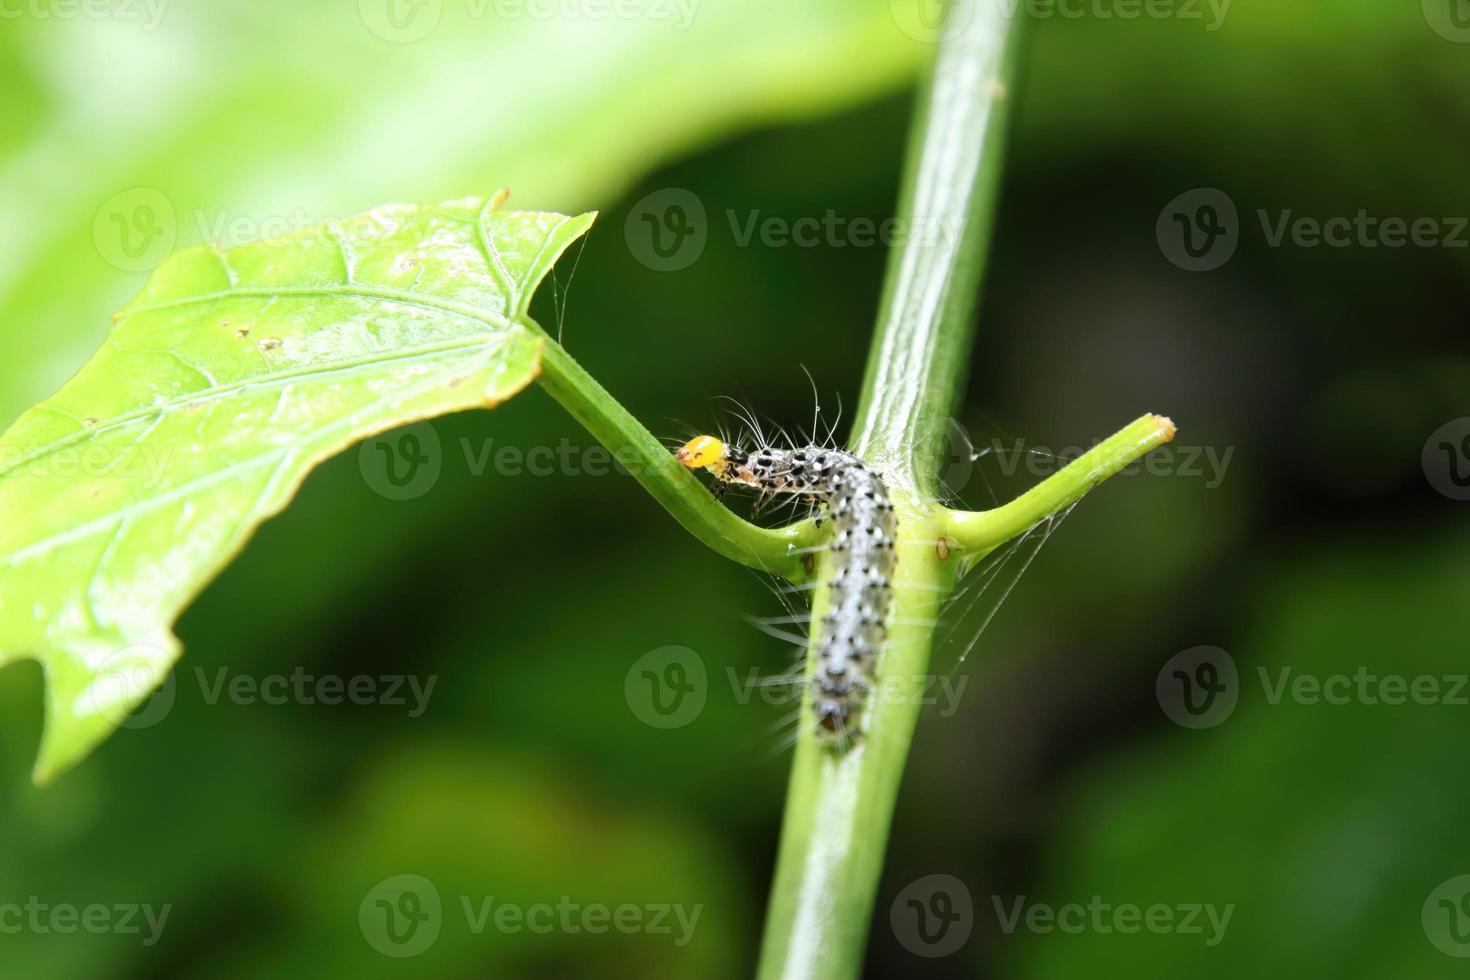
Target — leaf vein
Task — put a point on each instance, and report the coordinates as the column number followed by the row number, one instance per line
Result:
column 83, row 531
column 245, row 384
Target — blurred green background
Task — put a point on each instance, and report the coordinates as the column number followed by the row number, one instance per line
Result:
column 1317, row 542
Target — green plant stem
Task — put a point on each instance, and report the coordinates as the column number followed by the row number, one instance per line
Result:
column 916, row 365
column 840, row 805
column 978, row 532
column 673, row 486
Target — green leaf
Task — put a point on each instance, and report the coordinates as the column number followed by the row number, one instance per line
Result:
column 223, row 384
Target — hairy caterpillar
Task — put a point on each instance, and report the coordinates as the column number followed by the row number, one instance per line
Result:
column 863, row 547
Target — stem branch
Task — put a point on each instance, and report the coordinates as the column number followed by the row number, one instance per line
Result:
column 672, row 485
column 982, row 531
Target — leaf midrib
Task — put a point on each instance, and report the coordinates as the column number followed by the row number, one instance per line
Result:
column 83, row 531
column 267, row 380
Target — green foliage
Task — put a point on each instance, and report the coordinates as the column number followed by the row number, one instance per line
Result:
column 1326, row 820
column 223, row 384
column 256, row 110
column 258, row 117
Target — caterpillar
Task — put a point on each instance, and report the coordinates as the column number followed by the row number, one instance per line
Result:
column 865, row 527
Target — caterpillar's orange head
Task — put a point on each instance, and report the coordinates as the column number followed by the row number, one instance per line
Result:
column 703, row 453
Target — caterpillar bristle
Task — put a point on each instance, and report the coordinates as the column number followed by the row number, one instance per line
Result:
column 782, row 680
column 796, row 639
column 794, row 619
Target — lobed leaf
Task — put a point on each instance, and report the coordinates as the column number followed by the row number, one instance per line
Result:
column 221, row 387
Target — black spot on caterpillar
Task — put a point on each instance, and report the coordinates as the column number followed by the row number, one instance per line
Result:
column 864, row 535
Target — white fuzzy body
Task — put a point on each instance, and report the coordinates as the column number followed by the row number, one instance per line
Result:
column 860, row 593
